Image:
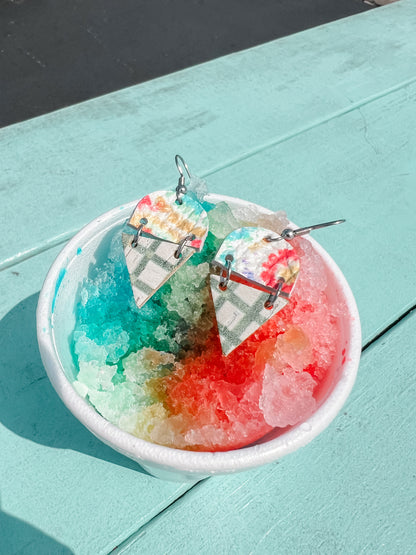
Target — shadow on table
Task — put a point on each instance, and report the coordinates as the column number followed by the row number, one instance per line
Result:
column 29, row 406
column 18, row 536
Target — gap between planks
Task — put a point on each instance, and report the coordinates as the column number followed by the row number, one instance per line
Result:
column 118, row 549
column 63, row 237
column 132, row 538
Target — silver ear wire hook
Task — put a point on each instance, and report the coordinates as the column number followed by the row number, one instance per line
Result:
column 273, row 296
column 181, row 189
column 135, row 240
column 224, row 279
column 289, row 234
column 181, row 244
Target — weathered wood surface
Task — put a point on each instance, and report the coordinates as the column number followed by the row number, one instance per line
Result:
column 352, row 490
column 312, row 123
column 108, row 150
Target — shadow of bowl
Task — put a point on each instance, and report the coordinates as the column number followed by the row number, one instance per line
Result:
column 29, row 406
column 15, row 532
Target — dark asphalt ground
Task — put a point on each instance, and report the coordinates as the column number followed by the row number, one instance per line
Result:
column 54, row 53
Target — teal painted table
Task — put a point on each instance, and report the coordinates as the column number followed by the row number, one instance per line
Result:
column 321, row 124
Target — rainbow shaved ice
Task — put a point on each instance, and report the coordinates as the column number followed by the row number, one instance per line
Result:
column 159, row 373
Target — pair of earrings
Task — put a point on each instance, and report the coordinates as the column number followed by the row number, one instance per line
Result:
column 252, row 275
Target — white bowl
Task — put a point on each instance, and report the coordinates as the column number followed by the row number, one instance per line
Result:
column 56, row 321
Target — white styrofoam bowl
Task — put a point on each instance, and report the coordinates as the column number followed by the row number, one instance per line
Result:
column 56, row 321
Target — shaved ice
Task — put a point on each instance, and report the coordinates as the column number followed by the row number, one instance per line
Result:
column 159, row 373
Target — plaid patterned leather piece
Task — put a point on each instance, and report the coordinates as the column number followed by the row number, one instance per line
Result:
column 240, row 311
column 150, row 264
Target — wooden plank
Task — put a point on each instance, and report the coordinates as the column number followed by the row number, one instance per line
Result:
column 362, row 167
column 62, row 490
column 380, row 145
column 355, row 164
column 61, row 170
column 352, row 490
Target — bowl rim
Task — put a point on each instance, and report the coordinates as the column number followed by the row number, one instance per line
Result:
column 178, row 459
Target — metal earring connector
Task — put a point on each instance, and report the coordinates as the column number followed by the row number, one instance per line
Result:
column 135, row 240
column 289, row 234
column 181, row 245
column 226, row 275
column 181, row 188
